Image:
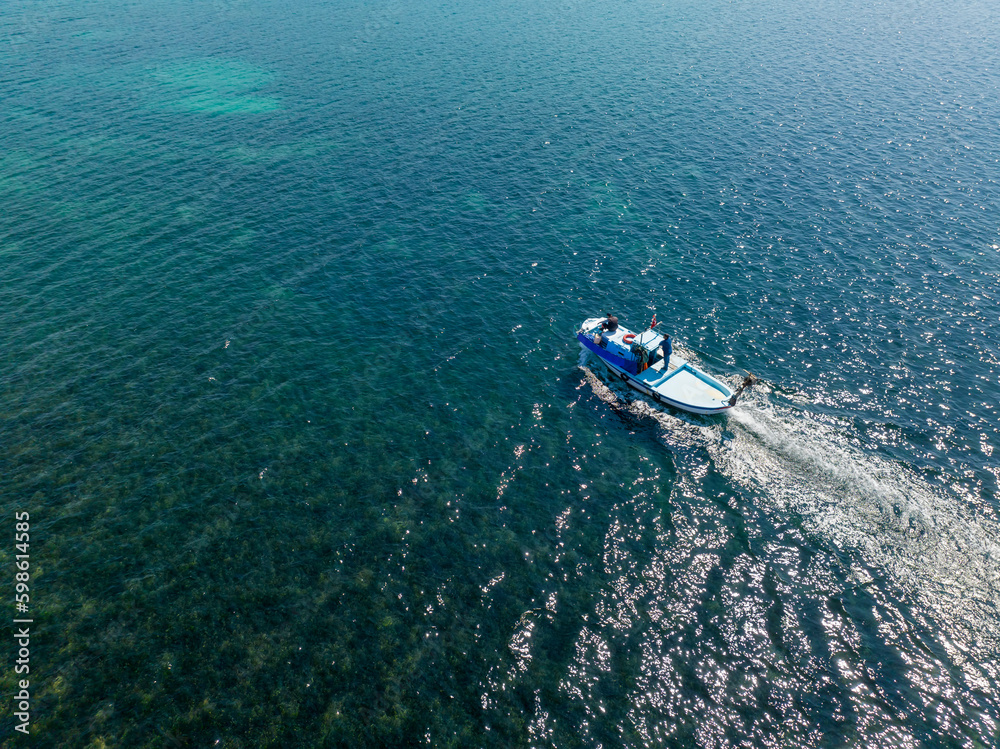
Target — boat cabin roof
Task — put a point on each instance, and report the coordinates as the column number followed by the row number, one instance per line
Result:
column 649, row 339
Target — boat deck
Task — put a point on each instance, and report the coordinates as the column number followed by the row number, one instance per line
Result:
column 681, row 383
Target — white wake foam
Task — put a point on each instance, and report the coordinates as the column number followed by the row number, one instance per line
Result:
column 922, row 536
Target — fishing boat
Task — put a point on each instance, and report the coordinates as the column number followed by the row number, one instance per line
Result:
column 645, row 361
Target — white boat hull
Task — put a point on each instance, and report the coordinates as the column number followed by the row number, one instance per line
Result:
column 659, row 397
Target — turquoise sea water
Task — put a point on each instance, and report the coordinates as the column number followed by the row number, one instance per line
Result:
column 290, row 389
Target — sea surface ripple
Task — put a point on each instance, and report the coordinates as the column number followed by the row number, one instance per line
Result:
column 290, row 389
